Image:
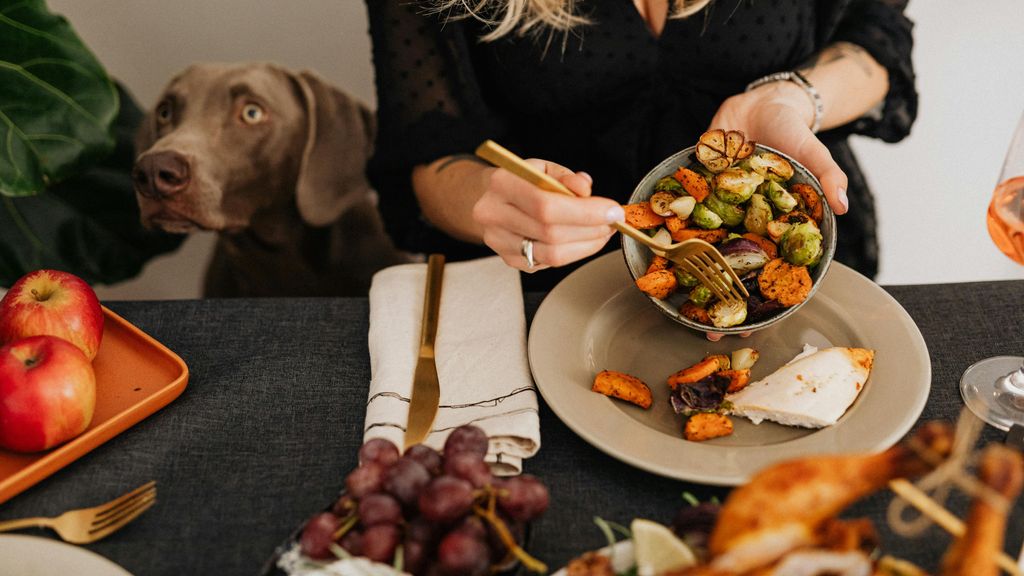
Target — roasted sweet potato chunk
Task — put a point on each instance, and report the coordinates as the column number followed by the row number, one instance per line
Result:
column 658, row 263
column 809, row 200
column 710, row 236
column 787, row 284
column 658, row 284
column 707, row 425
column 623, row 387
column 738, row 379
column 642, row 216
column 698, row 371
column 694, row 184
column 674, row 225
column 695, row 313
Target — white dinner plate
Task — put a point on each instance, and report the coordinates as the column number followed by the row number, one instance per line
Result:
column 596, row 319
column 22, row 555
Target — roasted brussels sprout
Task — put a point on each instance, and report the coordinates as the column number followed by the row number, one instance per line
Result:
column 771, row 166
column 685, row 278
column 668, row 184
column 801, row 244
column 700, row 295
column 703, row 216
column 707, row 174
column 778, row 195
column 731, row 214
column 759, row 213
column 736, row 186
column 743, row 255
column 725, row 314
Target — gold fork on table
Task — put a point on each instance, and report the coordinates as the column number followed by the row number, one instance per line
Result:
column 87, row 525
column 695, row 256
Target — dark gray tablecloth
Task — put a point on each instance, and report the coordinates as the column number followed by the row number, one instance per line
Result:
column 273, row 414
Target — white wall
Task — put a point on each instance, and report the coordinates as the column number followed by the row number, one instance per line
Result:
column 932, row 189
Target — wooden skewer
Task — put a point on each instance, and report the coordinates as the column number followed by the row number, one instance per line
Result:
column 943, row 518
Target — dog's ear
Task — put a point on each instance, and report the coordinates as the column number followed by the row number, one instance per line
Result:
column 339, row 141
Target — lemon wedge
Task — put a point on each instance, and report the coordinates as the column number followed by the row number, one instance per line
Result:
column 658, row 550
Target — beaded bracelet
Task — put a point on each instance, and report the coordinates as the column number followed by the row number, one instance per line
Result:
column 798, row 79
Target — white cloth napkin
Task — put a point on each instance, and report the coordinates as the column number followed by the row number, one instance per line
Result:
column 480, row 353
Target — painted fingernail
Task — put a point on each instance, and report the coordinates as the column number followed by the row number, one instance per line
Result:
column 844, row 200
column 615, row 214
column 586, row 177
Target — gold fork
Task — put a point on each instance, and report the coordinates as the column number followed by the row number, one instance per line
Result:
column 695, row 256
column 87, row 525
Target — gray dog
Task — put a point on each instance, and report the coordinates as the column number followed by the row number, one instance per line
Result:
column 274, row 161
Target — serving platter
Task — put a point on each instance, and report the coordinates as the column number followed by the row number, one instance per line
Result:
column 597, row 319
column 135, row 376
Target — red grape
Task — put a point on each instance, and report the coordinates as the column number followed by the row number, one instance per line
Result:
column 469, row 466
column 466, row 439
column 379, row 508
column 427, row 456
column 474, row 526
column 446, row 499
column 366, row 479
column 415, row 555
column 318, row 534
column 421, row 530
column 378, row 450
column 353, row 542
column 405, row 480
column 523, row 497
column 379, row 542
column 460, row 554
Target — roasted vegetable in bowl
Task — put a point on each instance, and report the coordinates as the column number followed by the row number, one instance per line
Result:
column 762, row 210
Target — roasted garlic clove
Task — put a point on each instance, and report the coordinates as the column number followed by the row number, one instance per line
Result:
column 712, row 159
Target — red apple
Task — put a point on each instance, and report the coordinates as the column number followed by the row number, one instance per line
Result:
column 47, row 393
column 55, row 303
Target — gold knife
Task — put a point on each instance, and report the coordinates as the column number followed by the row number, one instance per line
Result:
column 426, row 391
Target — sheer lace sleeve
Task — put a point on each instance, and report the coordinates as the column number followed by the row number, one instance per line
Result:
column 429, row 106
column 881, row 28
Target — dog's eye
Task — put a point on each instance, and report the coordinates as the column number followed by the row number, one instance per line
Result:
column 253, row 113
column 163, row 113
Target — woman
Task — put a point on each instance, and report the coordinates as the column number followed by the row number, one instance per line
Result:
column 597, row 92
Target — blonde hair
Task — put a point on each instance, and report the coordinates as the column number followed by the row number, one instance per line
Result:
column 526, row 16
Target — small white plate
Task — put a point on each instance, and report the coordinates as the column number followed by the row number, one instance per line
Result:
column 34, row 556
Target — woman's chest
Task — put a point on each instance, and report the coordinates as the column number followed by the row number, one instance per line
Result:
column 617, row 57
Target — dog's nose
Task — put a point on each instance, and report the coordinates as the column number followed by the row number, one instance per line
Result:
column 161, row 174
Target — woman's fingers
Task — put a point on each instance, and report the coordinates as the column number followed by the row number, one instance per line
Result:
column 508, row 245
column 554, row 208
column 715, row 336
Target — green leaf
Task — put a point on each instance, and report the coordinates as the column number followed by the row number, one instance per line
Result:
column 57, row 103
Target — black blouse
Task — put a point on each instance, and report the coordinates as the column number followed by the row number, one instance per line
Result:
column 610, row 98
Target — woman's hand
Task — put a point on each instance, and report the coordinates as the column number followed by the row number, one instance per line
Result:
column 779, row 114
column 563, row 229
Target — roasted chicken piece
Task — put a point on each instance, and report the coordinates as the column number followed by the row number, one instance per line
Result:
column 784, row 507
column 974, row 554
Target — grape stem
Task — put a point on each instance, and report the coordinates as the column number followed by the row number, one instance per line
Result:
column 531, row 563
column 345, row 526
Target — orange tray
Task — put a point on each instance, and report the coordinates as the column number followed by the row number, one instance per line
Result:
column 135, row 377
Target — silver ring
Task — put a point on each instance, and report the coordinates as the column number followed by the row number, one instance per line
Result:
column 526, row 249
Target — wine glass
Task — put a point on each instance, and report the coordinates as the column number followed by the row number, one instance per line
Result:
column 993, row 388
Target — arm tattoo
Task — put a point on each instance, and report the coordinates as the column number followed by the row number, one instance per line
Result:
column 458, row 158
column 840, row 51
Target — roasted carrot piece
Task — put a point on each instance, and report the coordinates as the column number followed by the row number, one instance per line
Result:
column 675, row 224
column 738, row 379
column 642, row 216
column 658, row 284
column 710, row 236
column 788, row 284
column 769, row 247
column 707, row 425
column 658, row 263
column 694, row 184
column 810, row 200
column 624, row 387
column 695, row 373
